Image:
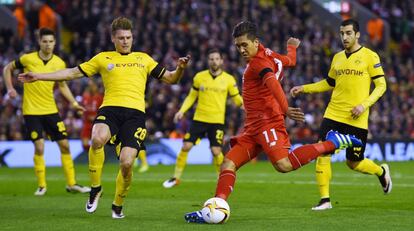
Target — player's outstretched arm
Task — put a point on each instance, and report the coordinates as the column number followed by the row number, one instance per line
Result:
column 173, row 77
column 296, row 90
column 321, row 86
column 65, row 74
column 7, row 73
column 188, row 102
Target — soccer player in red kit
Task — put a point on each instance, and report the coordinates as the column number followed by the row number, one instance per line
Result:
column 266, row 107
column 92, row 100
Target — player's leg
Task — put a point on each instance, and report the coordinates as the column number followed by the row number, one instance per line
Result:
column 218, row 157
column 56, row 130
column 323, row 173
column 323, row 169
column 275, row 142
column 191, row 138
column 68, row 169
column 242, row 152
column 105, row 124
column 215, row 135
column 131, row 135
column 34, row 130
column 306, row 153
column 357, row 161
column 142, row 156
column 40, row 167
column 123, row 180
column 180, row 164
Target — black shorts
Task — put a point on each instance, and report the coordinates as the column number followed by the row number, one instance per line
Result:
column 198, row 130
column 355, row 153
column 52, row 124
column 126, row 124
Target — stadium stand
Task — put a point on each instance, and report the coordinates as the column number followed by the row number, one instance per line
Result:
column 169, row 29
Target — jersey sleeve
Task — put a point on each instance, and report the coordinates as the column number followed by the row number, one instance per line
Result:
column 270, row 79
column 374, row 67
column 332, row 73
column 232, row 86
column 288, row 60
column 196, row 83
column 91, row 67
column 20, row 62
column 155, row 70
column 263, row 68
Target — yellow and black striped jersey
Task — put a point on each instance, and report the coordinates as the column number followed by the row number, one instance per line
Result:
column 124, row 77
column 38, row 96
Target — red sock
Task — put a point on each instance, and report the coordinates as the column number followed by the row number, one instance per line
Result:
column 306, row 153
column 225, row 184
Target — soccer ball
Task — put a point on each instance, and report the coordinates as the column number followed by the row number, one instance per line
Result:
column 215, row 211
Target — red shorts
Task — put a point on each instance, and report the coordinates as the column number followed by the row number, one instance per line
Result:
column 272, row 140
column 86, row 130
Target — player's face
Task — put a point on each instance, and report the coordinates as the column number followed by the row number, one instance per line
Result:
column 47, row 44
column 246, row 47
column 215, row 61
column 122, row 40
column 348, row 36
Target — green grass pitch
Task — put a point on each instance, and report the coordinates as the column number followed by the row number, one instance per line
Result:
column 262, row 200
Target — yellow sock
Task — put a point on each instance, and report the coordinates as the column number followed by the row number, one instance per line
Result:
column 143, row 157
column 118, row 149
column 40, row 170
column 323, row 175
column 368, row 166
column 122, row 187
column 96, row 161
column 217, row 160
column 180, row 164
column 68, row 169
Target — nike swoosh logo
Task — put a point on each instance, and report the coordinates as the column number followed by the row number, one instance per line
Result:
column 88, row 206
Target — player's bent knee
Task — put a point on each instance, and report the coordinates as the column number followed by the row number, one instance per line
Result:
column 352, row 164
column 228, row 165
column 64, row 146
column 216, row 150
column 283, row 165
column 39, row 150
column 187, row 146
column 98, row 141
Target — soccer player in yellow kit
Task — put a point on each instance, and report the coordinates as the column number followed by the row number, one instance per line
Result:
column 350, row 76
column 211, row 87
column 122, row 113
column 40, row 111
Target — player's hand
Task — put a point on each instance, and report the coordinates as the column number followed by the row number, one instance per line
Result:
column 178, row 116
column 295, row 114
column 296, row 91
column 79, row 108
column 293, row 41
column 357, row 111
column 12, row 93
column 27, row 77
column 183, row 61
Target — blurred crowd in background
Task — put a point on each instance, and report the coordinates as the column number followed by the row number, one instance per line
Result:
column 169, row 29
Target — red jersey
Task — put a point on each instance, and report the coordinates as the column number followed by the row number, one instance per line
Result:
column 263, row 97
column 91, row 104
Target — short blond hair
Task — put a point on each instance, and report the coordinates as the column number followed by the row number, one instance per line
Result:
column 121, row 23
